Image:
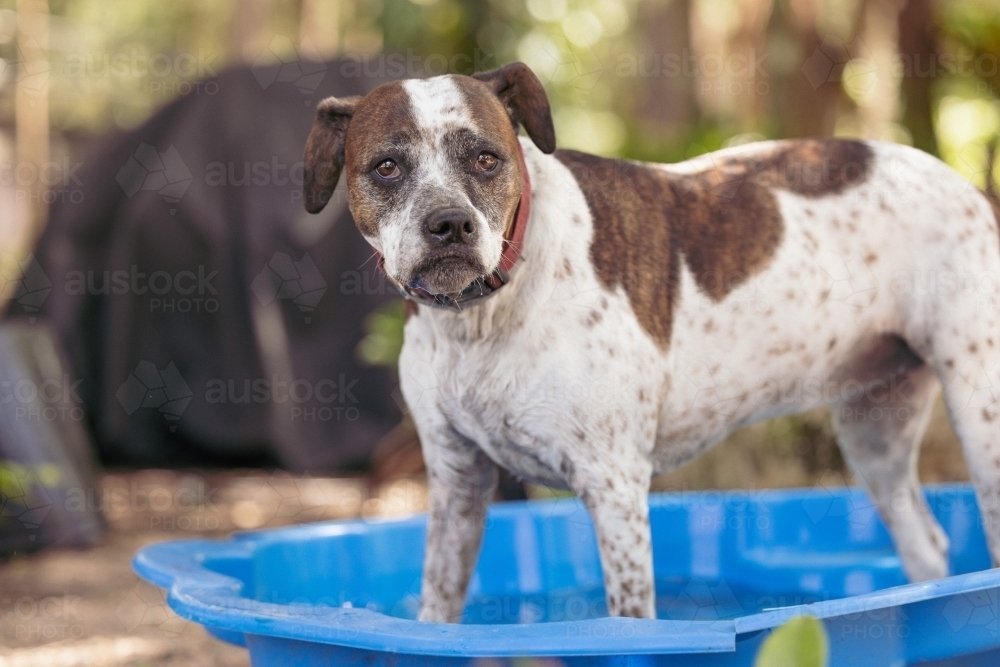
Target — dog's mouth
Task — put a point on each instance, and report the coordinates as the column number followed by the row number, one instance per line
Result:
column 448, row 272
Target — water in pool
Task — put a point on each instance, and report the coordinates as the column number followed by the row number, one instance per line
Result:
column 677, row 599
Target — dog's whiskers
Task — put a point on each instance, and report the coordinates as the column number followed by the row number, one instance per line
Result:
column 370, row 258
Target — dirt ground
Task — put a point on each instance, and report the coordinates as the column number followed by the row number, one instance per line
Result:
column 68, row 608
column 64, row 608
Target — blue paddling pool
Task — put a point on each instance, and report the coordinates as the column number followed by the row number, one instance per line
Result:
column 730, row 567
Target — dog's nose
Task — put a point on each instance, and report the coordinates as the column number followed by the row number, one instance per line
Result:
column 450, row 225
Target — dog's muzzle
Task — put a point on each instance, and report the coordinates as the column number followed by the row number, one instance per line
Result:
column 482, row 288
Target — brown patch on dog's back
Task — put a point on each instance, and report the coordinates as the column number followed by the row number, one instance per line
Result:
column 633, row 244
column 724, row 221
column 731, row 222
column 728, row 234
column 809, row 167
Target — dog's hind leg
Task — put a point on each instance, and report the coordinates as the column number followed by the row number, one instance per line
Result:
column 879, row 432
column 970, row 373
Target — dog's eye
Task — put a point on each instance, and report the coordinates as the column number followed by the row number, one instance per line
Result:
column 486, row 162
column 387, row 169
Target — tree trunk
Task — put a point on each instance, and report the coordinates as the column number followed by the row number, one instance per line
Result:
column 668, row 112
column 250, row 34
column 319, row 28
column 806, row 91
column 918, row 50
column 31, row 110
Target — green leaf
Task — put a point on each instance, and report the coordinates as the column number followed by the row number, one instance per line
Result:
column 801, row 642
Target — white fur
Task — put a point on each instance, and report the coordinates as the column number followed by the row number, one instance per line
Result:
column 521, row 379
column 437, row 106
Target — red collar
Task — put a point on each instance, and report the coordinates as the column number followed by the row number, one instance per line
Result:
column 513, row 239
column 513, row 243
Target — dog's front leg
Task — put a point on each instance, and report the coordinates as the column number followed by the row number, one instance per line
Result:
column 461, row 482
column 617, row 498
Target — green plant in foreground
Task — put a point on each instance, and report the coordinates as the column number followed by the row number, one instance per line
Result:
column 801, row 642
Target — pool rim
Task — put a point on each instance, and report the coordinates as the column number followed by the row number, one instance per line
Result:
column 213, row 599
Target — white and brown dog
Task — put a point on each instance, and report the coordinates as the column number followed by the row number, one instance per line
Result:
column 589, row 322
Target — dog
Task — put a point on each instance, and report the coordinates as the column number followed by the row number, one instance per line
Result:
column 588, row 322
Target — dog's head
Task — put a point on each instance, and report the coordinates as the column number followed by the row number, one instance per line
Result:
column 433, row 169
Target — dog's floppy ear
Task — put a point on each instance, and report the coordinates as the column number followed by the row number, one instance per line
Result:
column 324, row 154
column 524, row 98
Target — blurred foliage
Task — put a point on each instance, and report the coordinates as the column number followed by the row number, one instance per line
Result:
column 113, row 63
column 801, row 642
column 605, row 63
column 973, row 25
column 383, row 336
column 18, row 482
column 646, row 79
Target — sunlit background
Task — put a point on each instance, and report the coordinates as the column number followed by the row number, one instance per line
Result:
column 659, row 80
